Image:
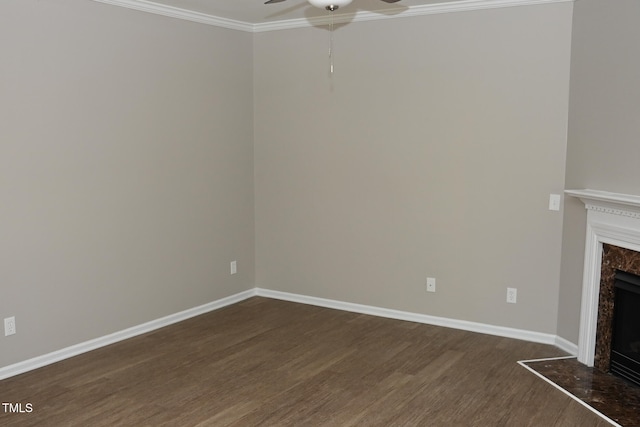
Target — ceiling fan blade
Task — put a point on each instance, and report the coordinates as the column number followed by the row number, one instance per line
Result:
column 386, row 1
column 275, row 1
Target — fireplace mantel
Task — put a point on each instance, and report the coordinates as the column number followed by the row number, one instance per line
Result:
column 612, row 218
column 614, row 203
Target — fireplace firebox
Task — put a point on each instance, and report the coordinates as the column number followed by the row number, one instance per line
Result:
column 625, row 343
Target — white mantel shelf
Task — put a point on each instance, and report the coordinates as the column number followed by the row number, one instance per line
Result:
column 613, row 203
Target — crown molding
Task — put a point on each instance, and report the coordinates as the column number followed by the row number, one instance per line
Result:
column 394, row 13
column 360, row 16
column 175, row 12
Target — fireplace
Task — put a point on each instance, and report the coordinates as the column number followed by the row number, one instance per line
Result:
column 625, row 342
column 612, row 243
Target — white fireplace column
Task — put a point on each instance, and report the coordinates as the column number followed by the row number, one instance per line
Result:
column 614, row 219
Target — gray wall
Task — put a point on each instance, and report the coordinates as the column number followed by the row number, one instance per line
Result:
column 128, row 143
column 432, row 150
column 604, row 128
column 126, row 169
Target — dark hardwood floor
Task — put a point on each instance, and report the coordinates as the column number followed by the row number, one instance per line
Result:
column 269, row 362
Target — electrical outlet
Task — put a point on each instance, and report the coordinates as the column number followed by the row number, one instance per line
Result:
column 234, row 267
column 431, row 284
column 512, row 295
column 9, row 326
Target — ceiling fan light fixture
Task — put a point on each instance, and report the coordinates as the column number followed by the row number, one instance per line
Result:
column 330, row 5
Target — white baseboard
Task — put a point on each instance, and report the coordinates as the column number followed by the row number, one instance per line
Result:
column 74, row 350
column 566, row 345
column 483, row 328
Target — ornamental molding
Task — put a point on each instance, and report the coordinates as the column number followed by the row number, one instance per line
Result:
column 612, row 211
column 420, row 10
column 626, row 205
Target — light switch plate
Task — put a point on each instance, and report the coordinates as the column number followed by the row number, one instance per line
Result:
column 554, row 202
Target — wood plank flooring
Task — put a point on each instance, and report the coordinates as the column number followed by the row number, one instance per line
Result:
column 273, row 363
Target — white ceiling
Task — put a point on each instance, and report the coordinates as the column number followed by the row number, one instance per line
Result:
column 255, row 16
column 256, row 12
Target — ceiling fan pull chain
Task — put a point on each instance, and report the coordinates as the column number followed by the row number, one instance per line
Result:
column 331, row 46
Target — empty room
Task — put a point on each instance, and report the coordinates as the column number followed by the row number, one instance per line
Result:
column 305, row 212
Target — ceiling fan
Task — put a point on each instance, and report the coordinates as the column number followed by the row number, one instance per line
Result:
column 330, row 5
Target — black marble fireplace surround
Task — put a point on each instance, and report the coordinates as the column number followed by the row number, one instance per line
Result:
column 625, row 344
column 614, row 259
